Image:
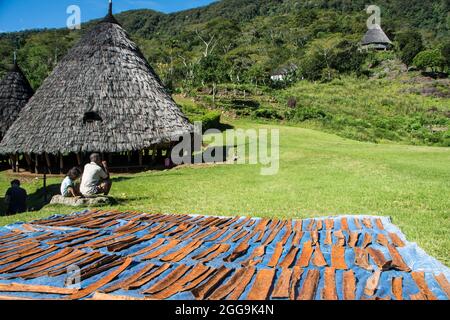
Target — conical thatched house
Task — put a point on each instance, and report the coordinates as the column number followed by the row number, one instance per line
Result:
column 15, row 91
column 375, row 38
column 103, row 96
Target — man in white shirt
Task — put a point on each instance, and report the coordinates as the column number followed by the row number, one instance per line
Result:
column 95, row 178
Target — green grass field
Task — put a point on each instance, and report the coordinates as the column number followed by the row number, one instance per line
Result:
column 320, row 174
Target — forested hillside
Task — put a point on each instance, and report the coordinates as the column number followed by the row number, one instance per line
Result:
column 235, row 45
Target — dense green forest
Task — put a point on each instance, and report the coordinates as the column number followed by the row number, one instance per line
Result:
column 222, row 55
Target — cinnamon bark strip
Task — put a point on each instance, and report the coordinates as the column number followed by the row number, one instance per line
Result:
column 318, row 258
column 193, row 284
column 20, row 287
column 147, row 278
column 206, row 252
column 289, row 259
column 224, row 247
column 93, row 287
column 101, row 266
column 287, row 234
column 396, row 240
column 295, row 280
column 319, row 225
column 217, row 235
column 340, row 238
column 223, row 291
column 281, row 289
column 379, row 224
column 20, row 256
column 274, row 233
column 353, row 239
column 239, row 236
column 124, row 283
column 372, row 283
column 379, row 259
column 397, row 260
column 349, row 285
column 309, row 288
column 419, row 279
column 328, row 238
column 329, row 289
column 329, row 224
column 362, row 258
column 276, row 255
column 172, row 244
column 240, row 250
column 92, row 257
column 243, row 283
column 382, row 239
column 397, row 288
column 310, row 225
column 367, row 240
column 183, row 252
column 367, row 222
column 261, row 286
column 338, row 258
column 357, row 223
column 205, row 289
column 28, row 259
column 443, row 282
column 297, row 238
column 344, row 224
column 314, row 237
column 153, row 246
column 176, row 274
column 306, row 254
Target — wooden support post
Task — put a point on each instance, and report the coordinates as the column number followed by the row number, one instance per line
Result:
column 36, row 163
column 29, row 161
column 153, row 154
column 17, row 163
column 140, row 158
column 129, row 156
column 12, row 161
column 61, row 163
column 78, row 158
column 48, row 162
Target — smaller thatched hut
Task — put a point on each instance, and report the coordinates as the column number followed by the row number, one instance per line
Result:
column 15, row 91
column 376, row 39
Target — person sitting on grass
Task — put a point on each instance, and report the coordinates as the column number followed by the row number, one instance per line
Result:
column 95, row 178
column 68, row 187
column 15, row 199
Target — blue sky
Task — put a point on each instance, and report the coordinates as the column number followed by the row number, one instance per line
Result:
column 16, row 15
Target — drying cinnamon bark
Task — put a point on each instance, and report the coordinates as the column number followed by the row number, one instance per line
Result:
column 92, row 257
column 243, row 283
column 362, row 258
column 22, row 262
column 340, row 238
column 357, row 223
column 396, row 240
column 328, row 238
column 261, row 286
column 295, row 280
column 419, row 279
column 282, row 286
column 102, row 265
column 205, row 289
column 382, row 239
column 397, row 260
column 289, row 259
column 379, row 259
column 309, row 288
column 223, row 248
column 168, row 281
column 297, row 238
column 287, row 234
column 314, row 237
column 329, row 289
column 306, row 254
column 223, row 291
column 367, row 240
column 276, row 255
column 372, row 283
column 172, row 244
column 443, row 282
column 353, row 239
column 148, row 277
column 344, row 224
column 367, row 222
column 338, row 257
column 182, row 253
column 20, row 287
column 153, row 246
column 397, row 288
column 93, row 287
column 274, row 233
column 349, row 285
column 240, row 250
column 311, row 225
column 329, row 224
column 318, row 258
column 379, row 224
column 124, row 283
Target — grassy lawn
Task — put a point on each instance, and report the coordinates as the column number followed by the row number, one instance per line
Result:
column 320, row 174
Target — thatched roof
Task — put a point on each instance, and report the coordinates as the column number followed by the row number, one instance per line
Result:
column 102, row 96
column 15, row 91
column 375, row 35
